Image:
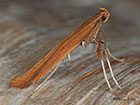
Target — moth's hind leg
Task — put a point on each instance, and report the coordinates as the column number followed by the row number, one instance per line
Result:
column 103, row 41
column 100, row 54
column 117, row 59
column 107, row 59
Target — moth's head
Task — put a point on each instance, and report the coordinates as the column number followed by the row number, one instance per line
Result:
column 105, row 14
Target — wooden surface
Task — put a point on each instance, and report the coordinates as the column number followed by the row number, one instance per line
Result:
column 29, row 29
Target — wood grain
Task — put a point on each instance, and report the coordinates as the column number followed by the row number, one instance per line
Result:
column 28, row 30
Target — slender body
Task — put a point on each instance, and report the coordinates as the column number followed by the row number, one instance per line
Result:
column 85, row 34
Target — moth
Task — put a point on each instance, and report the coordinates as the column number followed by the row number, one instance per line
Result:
column 88, row 32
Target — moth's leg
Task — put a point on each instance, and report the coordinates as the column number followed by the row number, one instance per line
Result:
column 92, row 34
column 117, row 59
column 100, row 54
column 108, row 62
column 84, row 43
column 69, row 58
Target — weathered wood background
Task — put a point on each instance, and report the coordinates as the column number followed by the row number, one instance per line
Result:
column 30, row 28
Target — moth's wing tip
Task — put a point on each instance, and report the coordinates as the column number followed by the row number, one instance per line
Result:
column 19, row 83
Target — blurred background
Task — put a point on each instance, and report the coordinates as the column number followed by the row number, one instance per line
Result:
column 56, row 19
column 30, row 28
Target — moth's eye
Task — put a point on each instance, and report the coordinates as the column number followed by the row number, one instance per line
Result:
column 103, row 18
